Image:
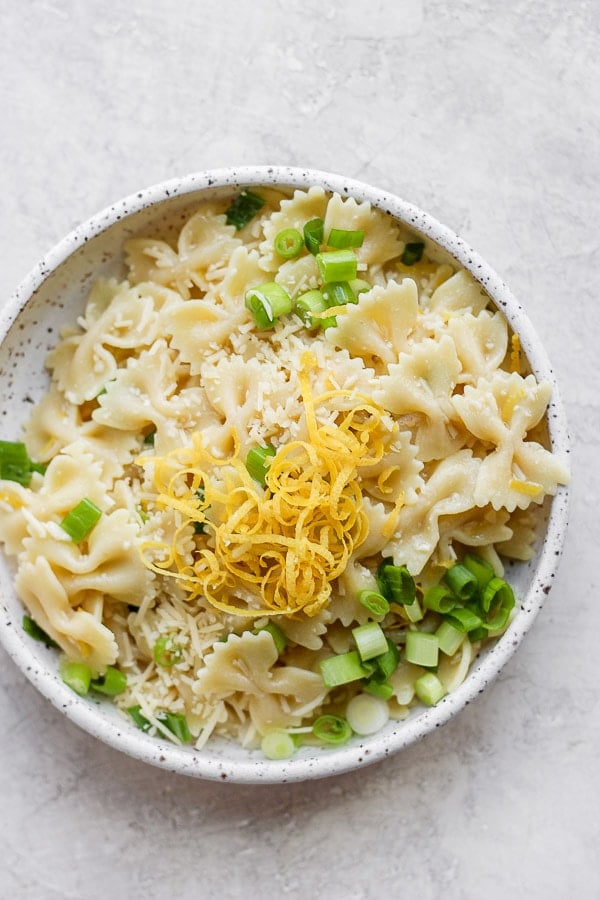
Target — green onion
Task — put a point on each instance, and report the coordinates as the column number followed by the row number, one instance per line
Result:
column 166, row 651
column 461, row 581
column 382, row 689
column 332, row 729
column 359, row 286
column 34, row 631
column 412, row 253
column 341, row 238
column 337, row 265
column 177, row 725
column 288, row 243
column 277, row 745
column 113, row 682
column 267, row 302
column 413, row 611
column 480, row 568
column 149, row 438
column 257, row 462
column 464, row 619
column 440, row 599
column 310, row 303
column 478, row 634
column 396, row 583
column 15, row 464
column 343, row 669
column 367, row 714
column 76, row 675
column 497, row 602
column 138, row 719
column 243, row 209
column 313, row 235
column 421, row 648
column 279, row 638
column 374, row 602
column 387, row 662
column 429, row 689
column 449, row 638
column 338, row 293
column 370, row 640
column 81, row 520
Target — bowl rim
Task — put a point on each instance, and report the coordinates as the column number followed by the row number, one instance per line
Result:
column 321, row 763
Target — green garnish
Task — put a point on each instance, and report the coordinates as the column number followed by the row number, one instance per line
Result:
column 81, row 520
column 34, row 631
column 337, row 265
column 412, row 253
column 166, row 651
column 288, row 243
column 332, row 730
column 15, row 464
column 243, row 209
column 342, row 238
column 257, row 462
column 267, row 302
column 313, row 235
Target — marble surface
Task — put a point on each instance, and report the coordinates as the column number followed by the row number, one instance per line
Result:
column 485, row 114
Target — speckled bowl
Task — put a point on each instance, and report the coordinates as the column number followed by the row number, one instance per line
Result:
column 53, row 294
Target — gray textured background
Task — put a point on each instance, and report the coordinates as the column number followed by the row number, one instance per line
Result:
column 485, row 114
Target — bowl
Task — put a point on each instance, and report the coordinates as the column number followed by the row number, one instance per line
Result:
column 52, row 295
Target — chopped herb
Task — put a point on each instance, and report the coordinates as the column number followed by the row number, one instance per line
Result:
column 412, row 253
column 34, row 631
column 15, row 464
column 243, row 209
column 81, row 520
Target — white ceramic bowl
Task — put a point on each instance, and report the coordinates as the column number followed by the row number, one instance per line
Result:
column 53, row 295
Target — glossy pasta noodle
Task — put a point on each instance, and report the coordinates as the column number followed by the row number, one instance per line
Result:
column 405, row 429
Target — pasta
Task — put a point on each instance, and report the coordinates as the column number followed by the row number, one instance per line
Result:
column 394, row 427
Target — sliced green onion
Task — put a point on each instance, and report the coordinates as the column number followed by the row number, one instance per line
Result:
column 479, row 567
column 332, row 729
column 81, row 520
column 15, row 464
column 288, row 243
column 76, row 675
column 440, row 599
column 113, row 682
column 478, row 634
column 278, row 745
column 34, row 631
column 149, row 438
column 449, row 638
column 374, row 602
column 343, row 668
column 464, row 619
column 396, row 583
column 341, row 238
column 138, row 719
column 313, row 235
column 307, row 306
column 177, row 725
column 370, row 640
column 413, row 611
column 429, row 689
column 337, row 265
column 279, row 638
column 382, row 689
column 413, row 253
column 387, row 662
column 267, row 302
column 166, row 651
column 461, row 581
column 360, row 286
column 421, row 648
column 367, row 714
column 497, row 602
column 338, row 293
column 257, row 462
column 243, row 209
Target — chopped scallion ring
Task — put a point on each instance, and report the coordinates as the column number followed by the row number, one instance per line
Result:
column 421, row 648
column 461, row 581
column 113, row 682
column 309, row 305
column 313, row 235
column 396, row 583
column 257, row 462
column 176, row 724
column 463, row 619
column 138, row 719
column 479, row 567
column 370, row 640
column 76, row 675
column 243, row 209
column 15, row 464
column 81, row 520
column 278, row 745
column 332, row 729
column 342, row 238
column 497, row 602
column 429, row 689
column 267, row 302
column 279, row 638
column 34, row 631
column 337, row 265
column 412, row 253
column 343, row 669
column 449, row 638
column 367, row 714
column 374, row 602
column 387, row 662
column 440, row 599
column 288, row 243
column 382, row 689
column 338, row 293
column 166, row 651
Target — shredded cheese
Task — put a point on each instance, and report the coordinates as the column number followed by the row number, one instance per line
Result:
column 275, row 551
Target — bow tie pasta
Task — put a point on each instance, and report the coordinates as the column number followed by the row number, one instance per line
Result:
column 269, row 493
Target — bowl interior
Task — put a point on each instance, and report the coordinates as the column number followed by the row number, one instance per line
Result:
column 53, row 295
